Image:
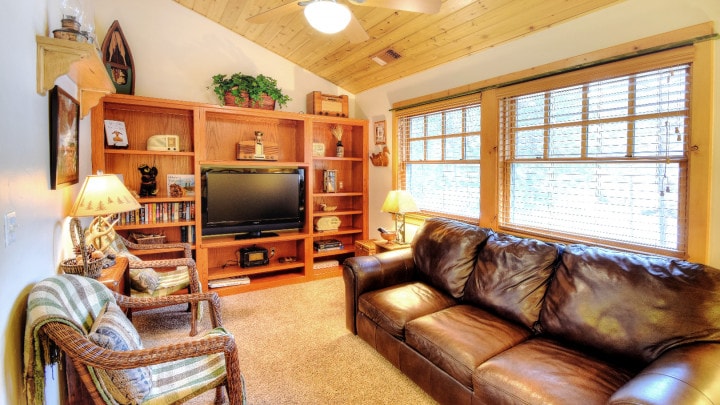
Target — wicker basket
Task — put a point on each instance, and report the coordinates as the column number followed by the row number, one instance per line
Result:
column 143, row 239
column 90, row 268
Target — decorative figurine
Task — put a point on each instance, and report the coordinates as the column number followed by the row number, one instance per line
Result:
column 148, row 184
column 259, row 152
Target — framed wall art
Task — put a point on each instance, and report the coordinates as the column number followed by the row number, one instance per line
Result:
column 64, row 138
column 380, row 137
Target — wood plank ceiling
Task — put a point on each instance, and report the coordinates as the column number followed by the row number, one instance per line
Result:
column 423, row 41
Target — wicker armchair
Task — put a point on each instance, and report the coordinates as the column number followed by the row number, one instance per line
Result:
column 168, row 270
column 62, row 311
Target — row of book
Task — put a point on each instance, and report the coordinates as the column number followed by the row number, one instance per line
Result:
column 187, row 234
column 153, row 213
column 326, row 245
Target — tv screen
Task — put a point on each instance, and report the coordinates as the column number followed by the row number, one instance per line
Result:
column 252, row 200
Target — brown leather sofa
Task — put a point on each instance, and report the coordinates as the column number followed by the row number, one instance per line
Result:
column 478, row 317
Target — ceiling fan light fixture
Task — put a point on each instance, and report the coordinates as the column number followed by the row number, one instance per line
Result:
column 327, row 16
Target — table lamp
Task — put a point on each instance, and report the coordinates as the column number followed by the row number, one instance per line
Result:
column 101, row 196
column 399, row 202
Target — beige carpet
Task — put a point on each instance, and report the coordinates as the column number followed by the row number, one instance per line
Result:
column 294, row 348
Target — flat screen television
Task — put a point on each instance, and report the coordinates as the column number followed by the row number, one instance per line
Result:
column 249, row 202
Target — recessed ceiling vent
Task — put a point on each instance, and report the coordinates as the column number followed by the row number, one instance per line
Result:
column 386, row 56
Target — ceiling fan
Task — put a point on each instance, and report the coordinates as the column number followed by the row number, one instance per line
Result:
column 329, row 16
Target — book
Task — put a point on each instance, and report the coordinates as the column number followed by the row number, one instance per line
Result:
column 229, row 281
column 324, row 243
column 116, row 134
column 330, row 248
column 180, row 185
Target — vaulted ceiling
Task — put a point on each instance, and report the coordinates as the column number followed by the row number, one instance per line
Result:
column 422, row 41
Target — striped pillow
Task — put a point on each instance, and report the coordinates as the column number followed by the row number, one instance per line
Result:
column 113, row 330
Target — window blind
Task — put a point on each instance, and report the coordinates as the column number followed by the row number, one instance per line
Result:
column 439, row 156
column 603, row 160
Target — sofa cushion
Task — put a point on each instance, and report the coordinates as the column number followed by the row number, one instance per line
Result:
column 445, row 251
column 631, row 304
column 542, row 371
column 459, row 338
column 112, row 330
column 511, row 275
column 391, row 308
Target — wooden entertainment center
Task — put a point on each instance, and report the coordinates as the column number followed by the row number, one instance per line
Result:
column 208, row 136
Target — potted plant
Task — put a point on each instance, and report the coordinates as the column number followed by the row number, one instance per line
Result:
column 248, row 91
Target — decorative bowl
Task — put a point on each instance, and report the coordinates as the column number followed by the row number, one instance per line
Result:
column 389, row 236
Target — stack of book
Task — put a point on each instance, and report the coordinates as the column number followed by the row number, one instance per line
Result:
column 325, row 245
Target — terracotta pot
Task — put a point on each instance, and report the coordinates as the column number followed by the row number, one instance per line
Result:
column 266, row 102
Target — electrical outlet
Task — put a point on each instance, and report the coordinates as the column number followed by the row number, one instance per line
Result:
column 10, row 227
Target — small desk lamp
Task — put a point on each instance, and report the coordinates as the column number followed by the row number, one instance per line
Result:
column 399, row 202
column 101, row 196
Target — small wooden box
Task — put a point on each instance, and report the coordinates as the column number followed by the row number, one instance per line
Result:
column 325, row 104
column 365, row 248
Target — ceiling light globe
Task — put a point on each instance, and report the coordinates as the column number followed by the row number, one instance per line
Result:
column 327, row 16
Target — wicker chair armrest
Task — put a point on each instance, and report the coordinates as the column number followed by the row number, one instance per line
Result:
column 187, row 249
column 82, row 350
column 130, row 302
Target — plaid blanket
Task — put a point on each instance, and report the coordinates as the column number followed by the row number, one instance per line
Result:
column 71, row 299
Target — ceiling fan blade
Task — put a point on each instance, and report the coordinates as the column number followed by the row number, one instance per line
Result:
column 277, row 12
column 355, row 32
column 418, row 6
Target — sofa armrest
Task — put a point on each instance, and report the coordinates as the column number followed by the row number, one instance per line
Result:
column 368, row 273
column 684, row 375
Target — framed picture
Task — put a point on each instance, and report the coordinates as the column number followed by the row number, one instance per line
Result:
column 380, row 138
column 116, row 134
column 329, row 181
column 180, row 185
column 64, row 137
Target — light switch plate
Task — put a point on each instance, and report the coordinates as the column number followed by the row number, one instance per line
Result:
column 10, row 227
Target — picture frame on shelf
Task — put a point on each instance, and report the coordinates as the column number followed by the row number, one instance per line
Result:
column 180, row 185
column 380, row 134
column 116, row 134
column 330, row 181
column 64, row 139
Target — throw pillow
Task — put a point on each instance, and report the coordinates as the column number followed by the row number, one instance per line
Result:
column 113, row 330
column 144, row 280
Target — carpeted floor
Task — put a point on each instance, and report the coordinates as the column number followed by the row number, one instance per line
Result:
column 294, row 348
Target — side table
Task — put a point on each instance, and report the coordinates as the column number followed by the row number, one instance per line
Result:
column 371, row 247
column 116, row 277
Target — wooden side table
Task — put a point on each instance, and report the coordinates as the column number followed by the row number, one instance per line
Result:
column 116, row 277
column 371, row 247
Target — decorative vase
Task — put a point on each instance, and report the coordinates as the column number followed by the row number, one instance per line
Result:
column 339, row 149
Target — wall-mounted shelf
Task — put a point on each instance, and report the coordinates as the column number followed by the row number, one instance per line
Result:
column 80, row 61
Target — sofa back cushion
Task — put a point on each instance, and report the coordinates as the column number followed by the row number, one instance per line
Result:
column 445, row 250
column 511, row 276
column 633, row 305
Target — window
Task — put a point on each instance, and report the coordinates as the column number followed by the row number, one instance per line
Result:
column 439, row 157
column 603, row 160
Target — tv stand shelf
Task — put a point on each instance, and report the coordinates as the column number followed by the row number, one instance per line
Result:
column 208, row 136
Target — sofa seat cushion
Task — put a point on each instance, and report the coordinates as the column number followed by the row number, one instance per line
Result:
column 511, row 276
column 459, row 338
column 391, row 308
column 543, row 371
column 631, row 305
column 445, row 251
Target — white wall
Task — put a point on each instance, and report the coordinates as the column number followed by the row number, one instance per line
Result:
column 627, row 21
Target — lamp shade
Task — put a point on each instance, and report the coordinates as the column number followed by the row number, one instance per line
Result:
column 327, row 16
column 399, row 202
column 103, row 194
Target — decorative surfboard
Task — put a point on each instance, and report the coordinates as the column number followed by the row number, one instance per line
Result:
column 118, row 60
